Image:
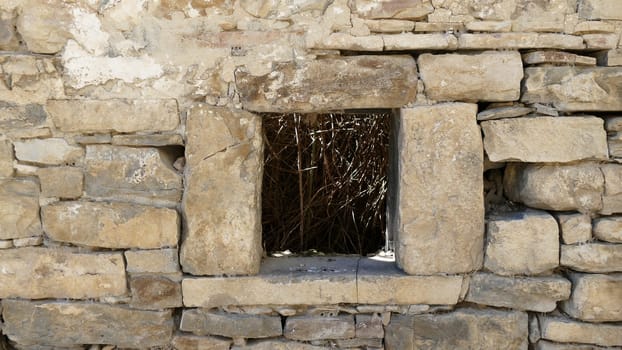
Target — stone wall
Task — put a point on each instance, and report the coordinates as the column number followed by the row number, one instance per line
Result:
column 131, row 163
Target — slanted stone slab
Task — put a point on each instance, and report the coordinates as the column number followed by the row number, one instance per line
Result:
column 574, row 228
column 525, row 242
column 222, row 200
column 556, row 187
column 19, row 209
column 201, row 321
column 600, row 9
column 111, row 225
column 318, row 327
column 539, row 294
column 392, row 9
column 410, row 41
column 592, row 257
column 489, row 76
column 37, row 273
column 564, row 330
column 608, row 229
column 152, row 261
column 286, row 281
column 612, row 197
column 503, row 112
column 545, row 139
column 558, row 57
column 520, row 41
column 70, row 323
column 52, row 151
column 193, row 342
column 332, row 83
column 381, row 282
column 573, row 89
column 439, row 223
column 119, row 115
column 595, row 297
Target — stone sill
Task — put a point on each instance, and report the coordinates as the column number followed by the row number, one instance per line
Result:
column 323, row 280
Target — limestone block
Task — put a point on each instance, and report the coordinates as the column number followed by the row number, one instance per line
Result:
column 14, row 117
column 416, row 9
column 33, row 80
column 482, row 41
column 555, row 187
column 574, row 228
column 282, row 9
column 6, row 158
column 316, row 328
column 615, row 148
column 360, row 343
column 368, row 326
column 289, row 281
column 52, row 151
column 120, row 115
column 612, row 198
column 143, row 175
column 28, row 241
column 545, row 139
column 410, row 41
column 61, row 182
column 547, row 345
column 202, row 321
column 343, row 41
column 37, row 273
column 608, row 229
column 539, row 294
column 222, row 200
column 331, row 83
column 9, row 40
column 152, row 261
column 389, row 25
column 601, row 41
column 95, row 139
column 449, row 27
column 489, row 26
column 613, row 124
column 153, row 292
column 564, row 330
column 71, row 323
column 592, row 257
column 156, row 140
column 610, row 58
column 277, row 345
column 593, row 27
column 439, row 208
column 525, row 242
column 558, row 57
column 600, row 9
column 503, row 112
column 19, row 209
column 193, row 342
column 595, row 297
column 44, row 26
column 488, row 76
column 574, row 88
column 111, row 225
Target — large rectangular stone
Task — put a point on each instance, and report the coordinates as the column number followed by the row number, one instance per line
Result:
column 488, row 76
column 332, row 83
column 545, row 139
column 608, row 229
column 202, row 322
column 15, row 117
column 574, row 88
column 592, row 257
column 152, row 261
column 119, row 115
column 155, row 292
column 565, row 330
column 595, row 297
column 62, row 324
column 37, row 273
column 411, row 9
column 438, row 226
column 574, row 228
column 319, row 328
column 19, row 209
column 520, row 41
column 111, row 225
column 52, row 151
column 600, row 9
column 411, row 41
column 222, row 199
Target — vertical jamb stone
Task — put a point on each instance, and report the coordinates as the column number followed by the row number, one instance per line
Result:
column 437, row 203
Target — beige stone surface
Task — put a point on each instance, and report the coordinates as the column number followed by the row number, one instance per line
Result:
column 193, row 342
column 613, row 123
column 111, row 225
column 488, row 76
column 276, row 345
column 592, row 27
column 449, row 27
column 547, row 345
column 558, row 57
column 503, row 112
column 389, row 25
column 37, row 273
column 416, row 9
column 61, row 182
column 612, row 197
column 600, row 9
column 439, row 214
column 539, row 294
column 157, row 140
column 316, row 327
column 155, row 292
column 483, row 41
column 44, row 28
column 545, row 139
column 152, row 261
column 19, row 209
column 522, row 243
column 411, row 41
column 343, row 41
column 63, row 324
column 608, row 229
column 564, row 330
column 556, row 187
column 601, row 41
column 203, row 322
column 27, row 241
column 592, row 257
column 610, row 58
column 52, row 151
column 18, row 117
column 118, row 115
column 6, row 158
column 595, row 297
column 34, row 79
column 574, row 228
column 222, row 204
column 144, row 175
column 489, row 26
column 331, row 83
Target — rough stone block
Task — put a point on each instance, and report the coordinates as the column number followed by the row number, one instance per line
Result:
column 601, row 41
column 111, row 225
column 222, row 199
column 574, row 89
column 368, row 326
column 556, row 187
column 545, row 139
column 399, row 333
column 608, row 229
column 332, row 83
column 489, row 26
column 389, row 25
column 503, row 112
column 119, row 115
column 277, row 345
column 143, row 175
column 317, row 328
column 34, row 80
column 595, row 297
column 193, row 342
column 574, row 228
column 19, row 209
column 524, row 242
column 539, row 294
column 592, row 257
column 600, row 9
column 61, row 182
column 44, row 29
column 439, row 212
column 155, row 292
column 612, row 197
column 392, row 9
column 6, row 159
column 343, row 41
column 610, row 58
column 52, row 151
column 488, row 76
column 520, row 41
column 557, row 57
column 70, row 323
column 547, row 345
column 201, row 321
column 593, row 27
column 37, row 273
column 410, row 41
column 14, row 117
column 152, row 261
column 564, row 330
column 156, row 140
